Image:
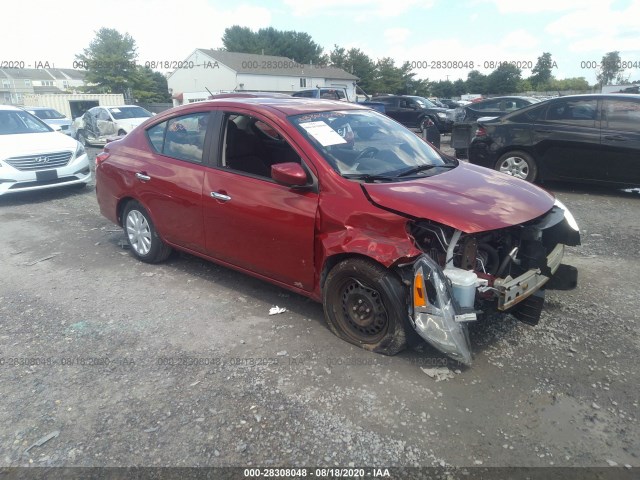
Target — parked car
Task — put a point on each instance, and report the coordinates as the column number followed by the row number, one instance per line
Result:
column 33, row 156
column 491, row 107
column 328, row 93
column 98, row 124
column 412, row 111
column 51, row 117
column 585, row 138
column 449, row 103
column 390, row 235
column 336, row 93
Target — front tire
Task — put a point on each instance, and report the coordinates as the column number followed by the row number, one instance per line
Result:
column 143, row 239
column 363, row 304
column 518, row 164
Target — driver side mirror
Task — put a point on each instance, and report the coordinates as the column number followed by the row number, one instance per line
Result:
column 290, row 174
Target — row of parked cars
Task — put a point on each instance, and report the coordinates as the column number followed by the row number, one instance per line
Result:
column 586, row 138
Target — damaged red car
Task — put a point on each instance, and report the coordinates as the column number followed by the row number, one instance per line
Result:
column 397, row 240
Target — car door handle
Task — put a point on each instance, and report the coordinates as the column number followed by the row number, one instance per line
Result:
column 220, row 196
column 543, row 131
column 143, row 177
column 618, row 138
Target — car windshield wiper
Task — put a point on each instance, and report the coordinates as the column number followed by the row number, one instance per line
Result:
column 421, row 168
column 367, row 177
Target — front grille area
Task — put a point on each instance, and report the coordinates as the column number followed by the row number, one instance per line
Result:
column 44, row 161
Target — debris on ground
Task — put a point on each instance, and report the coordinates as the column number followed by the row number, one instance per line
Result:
column 48, row 257
column 43, row 440
column 276, row 310
column 438, row 373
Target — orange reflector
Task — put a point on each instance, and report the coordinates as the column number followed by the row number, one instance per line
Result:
column 419, row 295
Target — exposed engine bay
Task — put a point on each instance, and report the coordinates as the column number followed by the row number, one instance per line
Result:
column 464, row 275
column 499, row 255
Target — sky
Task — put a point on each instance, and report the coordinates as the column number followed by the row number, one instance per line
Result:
column 432, row 34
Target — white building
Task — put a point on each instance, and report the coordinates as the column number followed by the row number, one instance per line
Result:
column 221, row 71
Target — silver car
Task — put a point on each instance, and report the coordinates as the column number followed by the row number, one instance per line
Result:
column 51, row 117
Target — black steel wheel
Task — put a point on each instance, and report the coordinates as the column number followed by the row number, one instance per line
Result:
column 363, row 304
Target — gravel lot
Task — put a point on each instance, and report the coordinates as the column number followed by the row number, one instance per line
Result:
column 179, row 364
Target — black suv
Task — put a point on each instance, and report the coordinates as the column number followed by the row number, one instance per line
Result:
column 412, row 111
column 586, row 138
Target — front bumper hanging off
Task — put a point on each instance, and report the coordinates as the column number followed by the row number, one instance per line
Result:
column 435, row 315
column 439, row 320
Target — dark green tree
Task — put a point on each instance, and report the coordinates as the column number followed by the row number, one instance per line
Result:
column 356, row 62
column 298, row 46
column 476, row 82
column 541, row 73
column 610, row 69
column 240, row 39
column 459, row 88
column 110, row 61
column 150, row 87
column 443, row 89
column 388, row 77
column 504, row 79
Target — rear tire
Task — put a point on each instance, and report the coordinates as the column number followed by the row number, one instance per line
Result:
column 364, row 305
column 518, row 164
column 143, row 239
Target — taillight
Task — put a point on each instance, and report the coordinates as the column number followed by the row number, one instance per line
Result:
column 481, row 132
column 101, row 157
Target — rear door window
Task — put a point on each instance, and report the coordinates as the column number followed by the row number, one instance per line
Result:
column 621, row 115
column 573, row 112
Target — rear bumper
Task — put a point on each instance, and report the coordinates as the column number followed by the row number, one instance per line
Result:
column 480, row 154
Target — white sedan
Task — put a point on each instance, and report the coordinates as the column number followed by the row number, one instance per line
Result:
column 33, row 156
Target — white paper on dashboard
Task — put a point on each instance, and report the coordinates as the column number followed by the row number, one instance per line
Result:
column 323, row 133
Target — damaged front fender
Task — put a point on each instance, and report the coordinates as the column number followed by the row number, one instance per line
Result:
column 435, row 314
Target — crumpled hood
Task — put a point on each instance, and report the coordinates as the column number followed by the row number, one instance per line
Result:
column 469, row 198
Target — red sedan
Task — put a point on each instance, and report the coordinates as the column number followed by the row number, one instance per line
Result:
column 392, row 236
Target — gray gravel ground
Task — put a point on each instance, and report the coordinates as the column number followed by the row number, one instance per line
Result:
column 180, row 364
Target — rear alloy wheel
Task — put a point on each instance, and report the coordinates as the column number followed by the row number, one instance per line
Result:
column 363, row 305
column 518, row 164
column 145, row 243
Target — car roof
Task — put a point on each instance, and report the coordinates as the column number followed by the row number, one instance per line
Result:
column 38, row 108
column 117, row 106
column 542, row 104
column 250, row 95
column 287, row 106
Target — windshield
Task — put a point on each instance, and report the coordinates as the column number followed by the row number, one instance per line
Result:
column 366, row 145
column 425, row 103
column 14, row 122
column 48, row 114
column 120, row 113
